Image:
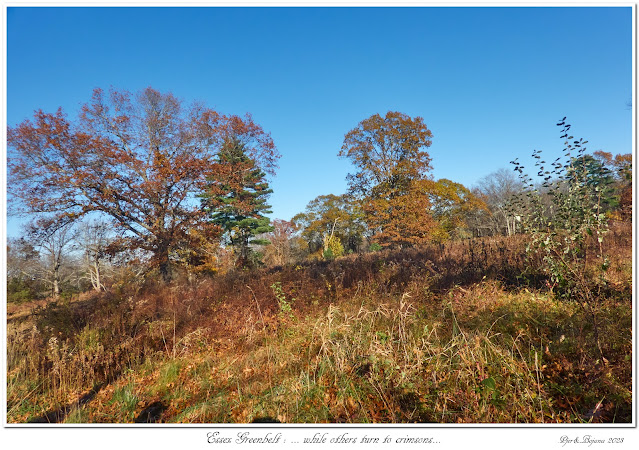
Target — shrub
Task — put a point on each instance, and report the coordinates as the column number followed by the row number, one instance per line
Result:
column 563, row 215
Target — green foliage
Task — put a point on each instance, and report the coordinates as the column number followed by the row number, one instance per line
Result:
column 236, row 198
column 600, row 181
column 286, row 306
column 564, row 212
column 126, row 398
column 77, row 415
column 375, row 247
column 619, row 180
column 328, row 254
column 20, row 290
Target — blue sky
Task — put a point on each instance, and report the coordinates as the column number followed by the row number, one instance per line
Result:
column 489, row 82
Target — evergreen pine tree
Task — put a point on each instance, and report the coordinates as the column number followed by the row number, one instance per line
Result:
column 235, row 199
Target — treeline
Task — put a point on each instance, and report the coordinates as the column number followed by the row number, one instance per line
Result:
column 141, row 184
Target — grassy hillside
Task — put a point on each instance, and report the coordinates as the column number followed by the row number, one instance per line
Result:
column 462, row 332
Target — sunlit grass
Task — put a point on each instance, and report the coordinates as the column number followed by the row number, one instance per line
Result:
column 396, row 346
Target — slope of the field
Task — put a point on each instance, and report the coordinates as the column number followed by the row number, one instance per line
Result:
column 462, row 332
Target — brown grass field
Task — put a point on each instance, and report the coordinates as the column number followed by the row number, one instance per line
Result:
column 464, row 332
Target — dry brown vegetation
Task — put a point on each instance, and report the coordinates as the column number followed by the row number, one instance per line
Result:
column 460, row 332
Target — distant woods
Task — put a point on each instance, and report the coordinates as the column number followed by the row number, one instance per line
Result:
column 142, row 184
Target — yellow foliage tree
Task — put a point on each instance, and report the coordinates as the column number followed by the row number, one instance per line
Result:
column 333, row 247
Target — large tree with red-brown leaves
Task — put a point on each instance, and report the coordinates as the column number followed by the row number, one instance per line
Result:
column 141, row 159
column 392, row 165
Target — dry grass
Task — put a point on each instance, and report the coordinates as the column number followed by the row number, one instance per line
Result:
column 455, row 333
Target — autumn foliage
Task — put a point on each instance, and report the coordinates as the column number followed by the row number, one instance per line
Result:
column 330, row 217
column 137, row 158
column 391, row 159
column 402, row 204
column 401, row 317
column 442, row 334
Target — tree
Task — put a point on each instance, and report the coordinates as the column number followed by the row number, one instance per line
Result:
column 387, row 151
column 333, row 247
column 54, row 239
column 137, row 159
column 497, row 190
column 94, row 239
column 403, row 219
column 451, row 205
column 282, row 238
column 332, row 215
column 392, row 164
column 23, row 266
column 22, row 256
column 621, row 169
column 561, row 228
column 599, row 178
column 235, row 198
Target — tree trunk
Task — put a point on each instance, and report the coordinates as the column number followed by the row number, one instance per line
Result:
column 162, row 257
column 93, row 265
column 56, row 281
column 97, row 285
column 165, row 270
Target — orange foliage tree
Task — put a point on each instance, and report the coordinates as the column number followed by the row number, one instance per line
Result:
column 139, row 159
column 392, row 166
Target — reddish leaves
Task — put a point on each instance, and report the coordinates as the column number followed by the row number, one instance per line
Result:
column 390, row 155
column 138, row 158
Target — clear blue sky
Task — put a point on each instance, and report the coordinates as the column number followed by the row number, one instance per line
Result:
column 489, row 82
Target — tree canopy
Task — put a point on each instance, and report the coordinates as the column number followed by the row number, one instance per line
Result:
column 235, row 198
column 392, row 163
column 337, row 216
column 139, row 159
column 387, row 151
column 451, row 204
